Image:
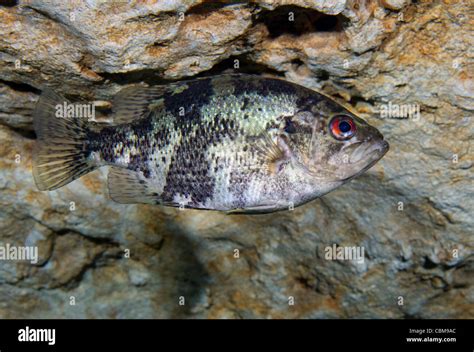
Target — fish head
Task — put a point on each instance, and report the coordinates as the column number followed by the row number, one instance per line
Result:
column 332, row 146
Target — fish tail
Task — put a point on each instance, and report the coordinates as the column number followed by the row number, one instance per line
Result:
column 61, row 152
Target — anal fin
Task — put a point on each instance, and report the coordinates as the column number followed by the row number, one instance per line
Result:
column 130, row 187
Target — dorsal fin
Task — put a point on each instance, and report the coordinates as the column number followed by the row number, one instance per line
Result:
column 135, row 102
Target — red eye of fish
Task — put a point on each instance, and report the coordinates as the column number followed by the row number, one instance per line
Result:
column 342, row 127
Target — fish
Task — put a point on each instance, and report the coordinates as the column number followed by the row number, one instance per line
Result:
column 236, row 143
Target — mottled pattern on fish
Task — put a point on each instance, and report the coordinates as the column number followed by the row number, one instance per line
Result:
column 226, row 142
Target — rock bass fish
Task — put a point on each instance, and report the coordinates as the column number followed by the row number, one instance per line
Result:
column 235, row 143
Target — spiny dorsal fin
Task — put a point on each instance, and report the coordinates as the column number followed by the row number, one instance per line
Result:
column 135, row 102
column 130, row 187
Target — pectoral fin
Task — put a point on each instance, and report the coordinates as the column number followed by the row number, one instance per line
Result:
column 274, row 153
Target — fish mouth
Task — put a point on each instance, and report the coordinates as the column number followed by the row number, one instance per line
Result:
column 376, row 153
column 369, row 155
column 369, row 151
column 364, row 157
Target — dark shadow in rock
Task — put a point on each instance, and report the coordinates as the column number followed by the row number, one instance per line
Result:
column 20, row 87
column 25, row 133
column 8, row 3
column 428, row 263
column 297, row 62
column 183, row 275
column 152, row 17
column 356, row 98
column 322, row 75
column 153, row 77
column 245, row 65
column 210, row 6
column 149, row 76
column 295, row 20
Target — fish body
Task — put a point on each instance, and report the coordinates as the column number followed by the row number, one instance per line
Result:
column 237, row 143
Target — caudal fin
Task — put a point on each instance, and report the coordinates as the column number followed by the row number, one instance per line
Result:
column 60, row 154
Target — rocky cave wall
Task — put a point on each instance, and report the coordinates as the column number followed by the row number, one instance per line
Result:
column 412, row 212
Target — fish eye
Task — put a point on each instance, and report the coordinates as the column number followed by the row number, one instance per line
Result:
column 289, row 126
column 342, row 127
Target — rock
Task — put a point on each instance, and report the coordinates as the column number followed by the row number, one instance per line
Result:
column 395, row 4
column 411, row 213
column 16, row 106
column 330, row 7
